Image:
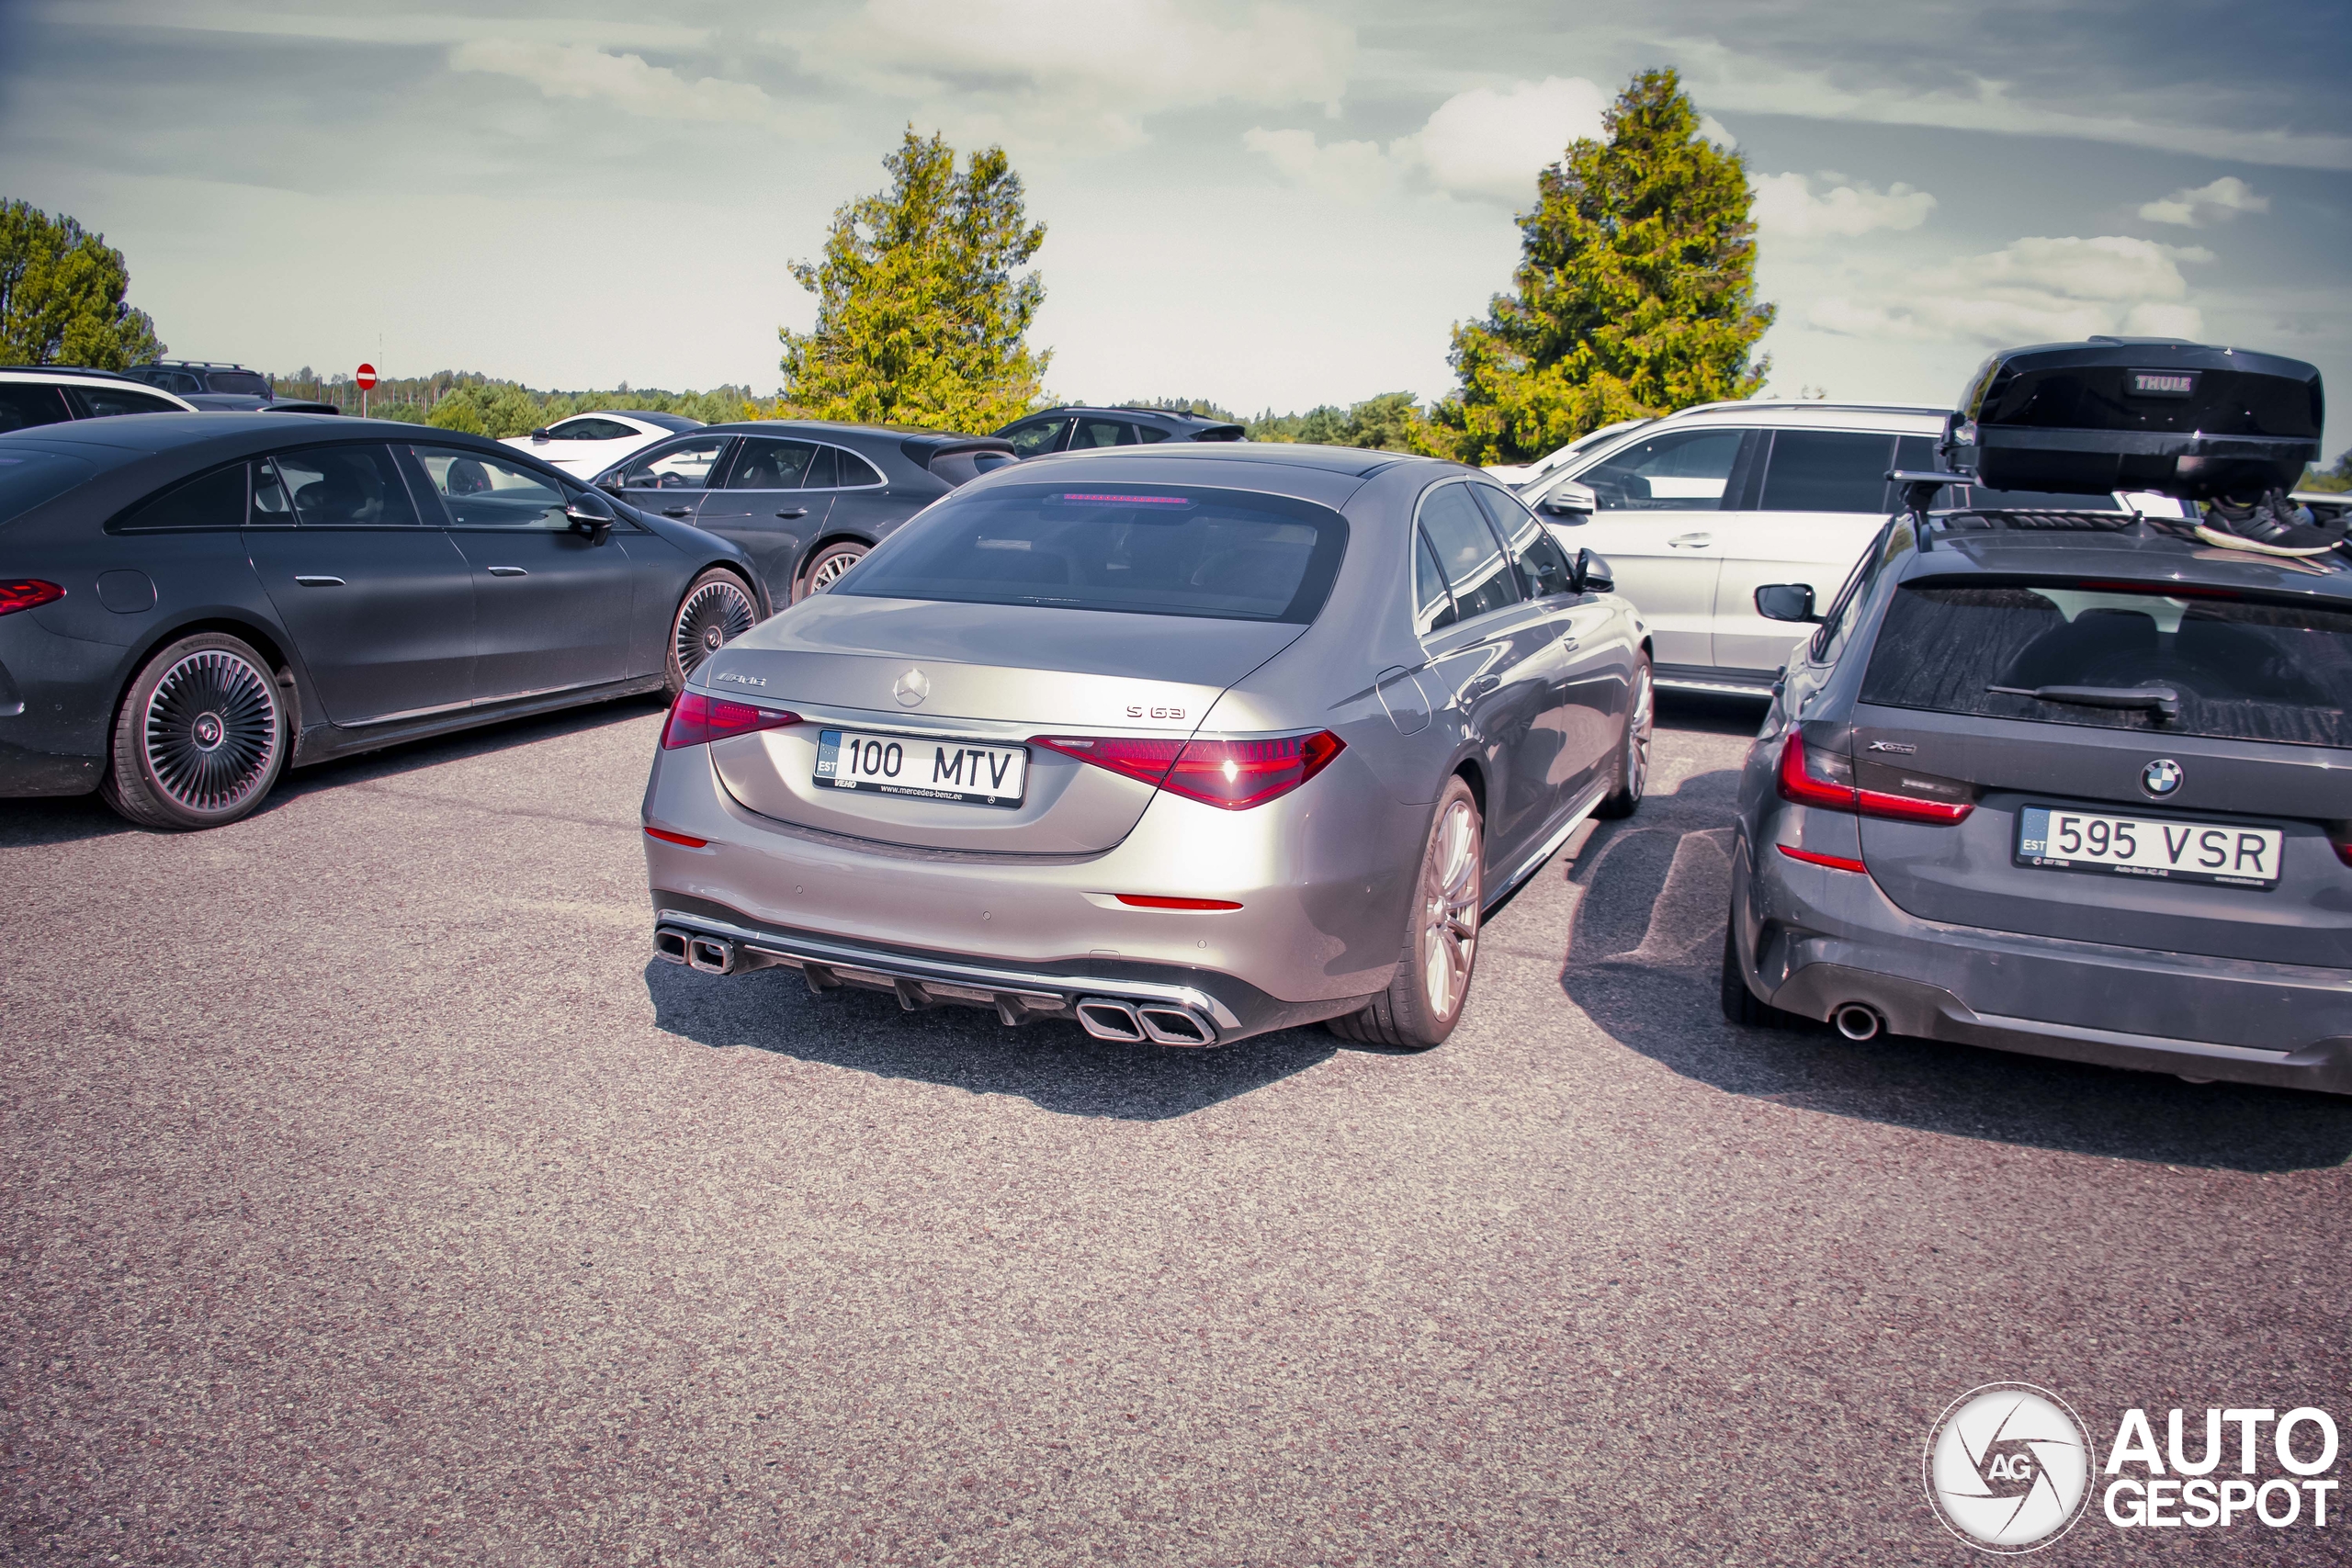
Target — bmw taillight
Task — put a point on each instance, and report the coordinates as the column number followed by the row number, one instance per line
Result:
column 2340, row 835
column 1231, row 774
column 1825, row 779
column 698, row 720
column 27, row 594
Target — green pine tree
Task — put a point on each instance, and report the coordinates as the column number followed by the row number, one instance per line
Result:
column 61, row 296
column 1636, row 289
column 923, row 311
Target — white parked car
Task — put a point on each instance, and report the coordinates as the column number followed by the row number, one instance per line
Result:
column 1696, row 511
column 31, row 395
column 588, row 444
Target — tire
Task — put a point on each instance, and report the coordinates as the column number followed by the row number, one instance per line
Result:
column 1634, row 749
column 1424, row 998
column 825, row 567
column 201, row 738
column 1742, row 1006
column 717, row 607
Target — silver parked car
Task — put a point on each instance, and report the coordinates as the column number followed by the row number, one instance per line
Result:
column 1185, row 744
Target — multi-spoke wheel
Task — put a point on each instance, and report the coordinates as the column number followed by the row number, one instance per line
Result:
column 1634, row 751
column 200, row 737
column 828, row 565
column 716, row 610
column 1424, row 1000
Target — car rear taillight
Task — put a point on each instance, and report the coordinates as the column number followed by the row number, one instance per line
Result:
column 2340, row 835
column 1824, row 779
column 1231, row 774
column 698, row 720
column 27, row 592
column 1157, row 901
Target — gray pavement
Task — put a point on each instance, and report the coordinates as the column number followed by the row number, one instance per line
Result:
column 372, row 1198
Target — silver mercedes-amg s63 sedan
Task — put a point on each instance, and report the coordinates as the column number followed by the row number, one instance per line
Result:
column 1184, row 744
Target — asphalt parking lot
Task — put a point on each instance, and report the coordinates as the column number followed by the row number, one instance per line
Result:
column 373, row 1197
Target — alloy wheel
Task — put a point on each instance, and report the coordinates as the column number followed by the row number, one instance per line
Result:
column 1639, row 721
column 713, row 615
column 1450, row 912
column 830, row 571
column 211, row 732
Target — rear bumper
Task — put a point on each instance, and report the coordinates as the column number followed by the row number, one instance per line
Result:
column 1813, row 939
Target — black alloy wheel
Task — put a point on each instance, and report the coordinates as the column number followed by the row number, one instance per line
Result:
column 718, row 608
column 200, row 737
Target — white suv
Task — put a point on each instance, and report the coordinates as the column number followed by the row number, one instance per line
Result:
column 31, row 395
column 1696, row 511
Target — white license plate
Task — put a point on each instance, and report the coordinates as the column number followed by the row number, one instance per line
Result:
column 2056, row 839
column 928, row 768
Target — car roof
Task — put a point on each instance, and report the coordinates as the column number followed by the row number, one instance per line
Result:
column 1896, row 418
column 79, row 372
column 675, row 424
column 2138, row 553
column 1324, row 475
column 125, row 437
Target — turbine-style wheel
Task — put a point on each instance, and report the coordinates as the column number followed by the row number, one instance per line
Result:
column 828, row 566
column 1634, row 751
column 716, row 610
column 201, row 738
column 1424, row 998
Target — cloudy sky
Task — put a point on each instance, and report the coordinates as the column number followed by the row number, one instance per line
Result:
column 1266, row 204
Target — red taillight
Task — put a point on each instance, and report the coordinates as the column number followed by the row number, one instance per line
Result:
column 26, row 593
column 1825, row 780
column 1231, row 774
column 2342, row 839
column 698, row 720
column 1835, row 862
column 668, row 838
column 1153, row 901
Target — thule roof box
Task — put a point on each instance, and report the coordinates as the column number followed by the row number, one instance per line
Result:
column 2161, row 414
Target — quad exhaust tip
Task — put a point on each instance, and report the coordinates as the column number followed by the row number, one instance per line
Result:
column 1162, row 1023
column 1858, row 1022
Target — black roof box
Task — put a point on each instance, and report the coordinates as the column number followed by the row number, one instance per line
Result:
column 2138, row 414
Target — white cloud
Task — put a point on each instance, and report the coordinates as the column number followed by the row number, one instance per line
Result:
column 624, row 81
column 1492, row 141
column 1787, row 207
column 2036, row 289
column 1354, row 169
column 1086, row 72
column 2215, row 203
column 378, row 24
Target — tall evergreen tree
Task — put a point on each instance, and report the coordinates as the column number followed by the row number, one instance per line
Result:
column 61, row 296
column 1636, row 289
column 923, row 311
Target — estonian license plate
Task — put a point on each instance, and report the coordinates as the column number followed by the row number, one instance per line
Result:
column 2054, row 838
column 930, row 769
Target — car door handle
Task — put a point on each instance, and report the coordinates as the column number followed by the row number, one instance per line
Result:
column 794, row 512
column 506, row 572
column 1482, row 685
column 320, row 581
column 1691, row 541
column 677, row 512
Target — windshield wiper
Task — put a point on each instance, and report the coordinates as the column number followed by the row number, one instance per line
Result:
column 2163, row 700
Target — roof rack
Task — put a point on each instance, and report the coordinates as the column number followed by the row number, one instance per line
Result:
column 1919, row 491
column 195, row 364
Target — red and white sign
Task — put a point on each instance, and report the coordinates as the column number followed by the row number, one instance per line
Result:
column 366, row 379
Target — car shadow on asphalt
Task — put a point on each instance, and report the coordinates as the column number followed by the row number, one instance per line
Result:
column 1054, row 1065
column 1644, row 962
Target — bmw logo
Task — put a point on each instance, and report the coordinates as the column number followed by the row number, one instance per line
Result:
column 2162, row 777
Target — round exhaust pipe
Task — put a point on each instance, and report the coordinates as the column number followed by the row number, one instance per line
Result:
column 1858, row 1021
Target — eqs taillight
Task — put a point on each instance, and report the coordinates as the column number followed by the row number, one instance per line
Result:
column 1232, row 775
column 27, row 594
column 1825, row 780
column 698, row 720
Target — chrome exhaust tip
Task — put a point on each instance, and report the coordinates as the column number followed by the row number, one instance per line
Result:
column 670, row 943
column 1858, row 1022
column 1170, row 1025
column 1107, row 1020
column 711, row 954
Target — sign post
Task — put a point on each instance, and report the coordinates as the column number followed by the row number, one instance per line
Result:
column 367, row 380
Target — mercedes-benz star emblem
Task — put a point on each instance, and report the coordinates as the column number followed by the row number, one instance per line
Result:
column 2161, row 777
column 912, row 687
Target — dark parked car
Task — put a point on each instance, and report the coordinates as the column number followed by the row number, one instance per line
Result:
column 1084, row 429
column 191, row 602
column 805, row 500
column 205, row 384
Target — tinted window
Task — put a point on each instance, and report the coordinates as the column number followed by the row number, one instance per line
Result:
column 589, row 429
column 1151, row 433
column 676, row 465
column 28, row 478
column 2244, row 670
column 1826, row 470
column 852, row 471
column 1040, row 436
column 242, row 383
column 105, row 401
column 1681, row 470
column 1101, row 432
column 821, row 469
column 1433, row 605
column 1838, row 622
column 482, row 492
column 1542, row 566
column 765, row 464
column 215, row 501
column 334, row 486
column 23, row 404
column 677, row 421
column 1465, row 547
column 1149, row 550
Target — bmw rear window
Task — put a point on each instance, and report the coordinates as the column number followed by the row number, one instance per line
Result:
column 29, row 477
column 2241, row 668
column 1141, row 549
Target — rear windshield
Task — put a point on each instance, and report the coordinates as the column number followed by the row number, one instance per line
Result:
column 28, row 476
column 2243, row 669
column 1144, row 549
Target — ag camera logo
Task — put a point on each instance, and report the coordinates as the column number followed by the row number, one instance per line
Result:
column 2007, row 1468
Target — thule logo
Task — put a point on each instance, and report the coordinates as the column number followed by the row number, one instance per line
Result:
column 2163, row 383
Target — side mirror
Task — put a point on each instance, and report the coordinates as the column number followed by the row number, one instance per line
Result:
column 1590, row 574
column 591, row 518
column 1787, row 602
column 1570, row 502
column 610, row 484
column 541, row 434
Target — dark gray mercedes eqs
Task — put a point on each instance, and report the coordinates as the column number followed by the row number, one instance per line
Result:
column 2073, row 784
column 192, row 602
column 1183, row 744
